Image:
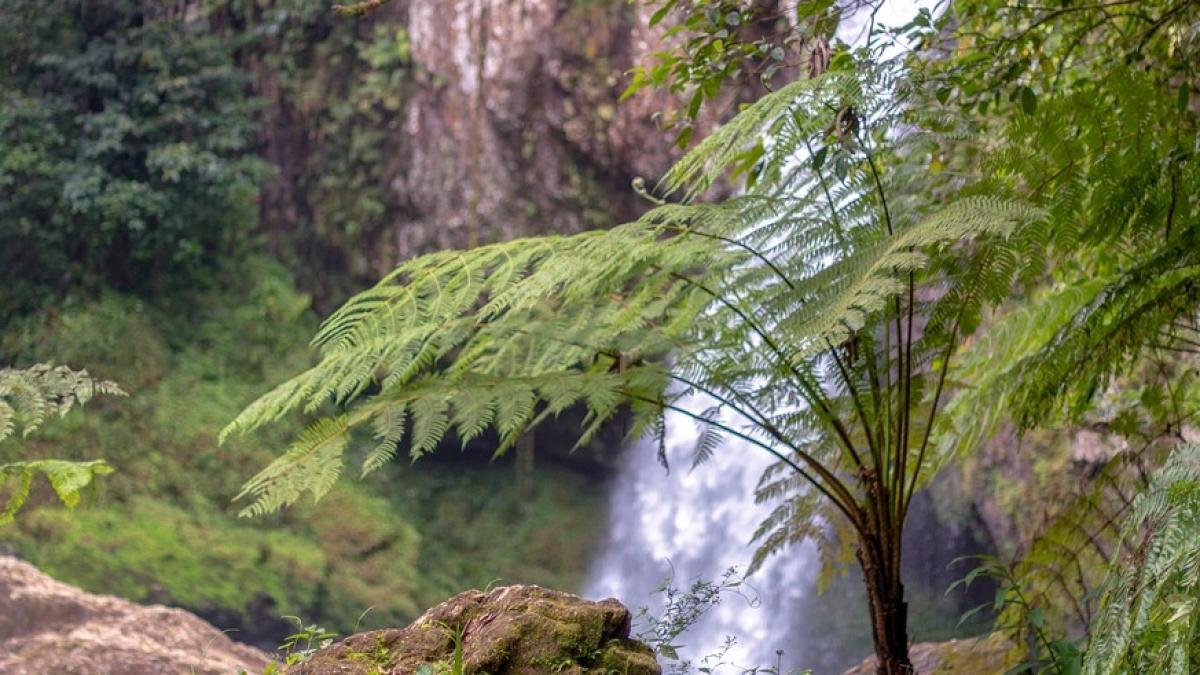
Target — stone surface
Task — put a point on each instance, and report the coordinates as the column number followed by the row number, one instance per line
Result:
column 50, row 627
column 976, row 656
column 507, row 123
column 510, row 630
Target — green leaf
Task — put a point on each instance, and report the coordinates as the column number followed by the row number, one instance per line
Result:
column 1028, row 101
column 693, row 106
column 818, row 158
column 662, row 12
column 684, row 137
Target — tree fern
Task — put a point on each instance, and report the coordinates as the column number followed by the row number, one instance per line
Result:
column 817, row 311
column 27, row 398
column 747, row 293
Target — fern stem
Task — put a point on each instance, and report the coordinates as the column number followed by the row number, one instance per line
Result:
column 807, row 389
column 862, row 414
column 933, row 408
column 682, row 229
column 849, row 507
column 840, row 234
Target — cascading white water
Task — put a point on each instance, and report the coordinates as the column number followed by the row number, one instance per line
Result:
column 690, row 525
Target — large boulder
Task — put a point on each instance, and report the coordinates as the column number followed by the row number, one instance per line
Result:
column 509, row 631
column 50, row 627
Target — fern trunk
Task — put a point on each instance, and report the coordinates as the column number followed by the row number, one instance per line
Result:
column 879, row 556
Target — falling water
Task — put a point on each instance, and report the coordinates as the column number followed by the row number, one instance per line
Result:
column 694, row 525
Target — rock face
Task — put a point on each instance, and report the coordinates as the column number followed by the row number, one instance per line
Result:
column 977, row 656
column 508, row 631
column 494, row 119
column 50, row 627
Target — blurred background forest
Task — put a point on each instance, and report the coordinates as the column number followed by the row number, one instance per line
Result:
column 188, row 186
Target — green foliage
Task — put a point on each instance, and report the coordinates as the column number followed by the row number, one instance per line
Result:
column 154, row 551
column 792, row 308
column 1114, row 167
column 718, row 45
column 1107, row 344
column 336, row 93
column 1133, row 207
column 27, row 398
column 160, row 528
column 1007, row 57
column 537, row 326
column 301, row 645
column 125, row 148
column 1049, row 598
column 67, row 478
column 1148, row 618
column 1045, row 651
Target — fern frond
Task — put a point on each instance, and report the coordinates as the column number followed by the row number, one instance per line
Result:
column 312, row 464
column 1148, row 619
column 68, row 479
column 28, row 396
column 750, row 302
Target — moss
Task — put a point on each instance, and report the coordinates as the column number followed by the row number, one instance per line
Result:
column 151, row 550
column 991, row 654
column 625, row 656
column 377, row 658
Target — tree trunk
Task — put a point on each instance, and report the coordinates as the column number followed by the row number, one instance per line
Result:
column 889, row 612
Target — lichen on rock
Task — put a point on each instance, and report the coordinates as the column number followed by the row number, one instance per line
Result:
column 509, row 630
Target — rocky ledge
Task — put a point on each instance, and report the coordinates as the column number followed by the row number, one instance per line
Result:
column 512, row 630
column 50, row 627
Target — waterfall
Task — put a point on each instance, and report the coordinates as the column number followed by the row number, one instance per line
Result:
column 696, row 524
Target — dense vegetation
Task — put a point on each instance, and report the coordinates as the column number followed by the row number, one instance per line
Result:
column 957, row 246
column 132, row 246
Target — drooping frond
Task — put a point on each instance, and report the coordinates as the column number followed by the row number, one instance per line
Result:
column 1122, row 210
column 1124, row 319
column 1148, row 618
column 990, row 368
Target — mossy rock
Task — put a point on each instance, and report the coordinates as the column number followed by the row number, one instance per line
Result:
column 993, row 653
column 512, row 630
